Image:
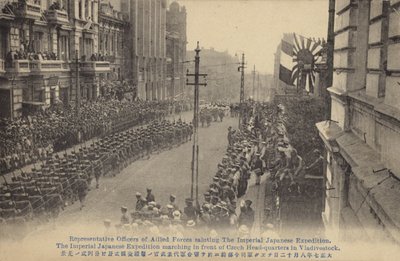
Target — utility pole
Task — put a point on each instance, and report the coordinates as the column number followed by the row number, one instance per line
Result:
column 258, row 86
column 241, row 69
column 195, row 149
column 173, row 70
column 78, row 87
column 254, row 79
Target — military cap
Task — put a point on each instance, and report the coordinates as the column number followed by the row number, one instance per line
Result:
column 176, row 214
column 191, row 223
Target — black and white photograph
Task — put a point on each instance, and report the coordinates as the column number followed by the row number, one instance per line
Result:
column 199, row 129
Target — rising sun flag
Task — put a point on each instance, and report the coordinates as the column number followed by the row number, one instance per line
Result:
column 299, row 56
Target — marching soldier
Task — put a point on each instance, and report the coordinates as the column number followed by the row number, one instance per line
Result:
column 246, row 216
column 140, row 202
column 190, row 211
column 150, row 197
column 82, row 189
column 124, row 218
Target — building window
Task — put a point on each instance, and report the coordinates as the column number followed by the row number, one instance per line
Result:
column 38, row 42
column 81, row 52
column 80, row 9
column 64, row 48
column 87, row 9
column 112, row 43
column 92, row 10
column 3, row 42
column 88, row 47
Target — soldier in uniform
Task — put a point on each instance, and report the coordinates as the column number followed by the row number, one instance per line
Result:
column 202, row 117
column 150, row 197
column 124, row 218
column 258, row 168
column 82, row 189
column 140, row 202
column 190, row 211
column 172, row 202
column 246, row 216
column 221, row 114
column 97, row 169
column 148, row 146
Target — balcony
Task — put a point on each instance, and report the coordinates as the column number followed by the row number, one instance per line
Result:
column 48, row 66
column 59, row 17
column 27, row 9
column 19, row 67
column 95, row 67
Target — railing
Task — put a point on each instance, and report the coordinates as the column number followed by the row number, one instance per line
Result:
column 95, row 66
column 42, row 66
column 19, row 66
column 57, row 16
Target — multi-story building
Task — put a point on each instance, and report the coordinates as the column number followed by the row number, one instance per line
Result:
column 112, row 47
column 148, row 46
column 39, row 47
column 363, row 139
column 176, row 51
column 41, row 41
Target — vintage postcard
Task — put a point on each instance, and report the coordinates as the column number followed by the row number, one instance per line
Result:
column 199, row 129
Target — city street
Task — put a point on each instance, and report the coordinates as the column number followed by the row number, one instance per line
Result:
column 166, row 173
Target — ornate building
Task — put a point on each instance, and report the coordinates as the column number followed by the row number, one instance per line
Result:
column 112, row 47
column 363, row 139
column 40, row 41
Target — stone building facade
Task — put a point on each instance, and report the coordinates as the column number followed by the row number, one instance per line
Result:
column 148, row 46
column 40, row 42
column 113, row 27
column 176, row 51
column 363, row 139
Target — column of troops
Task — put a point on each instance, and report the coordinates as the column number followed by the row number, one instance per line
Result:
column 210, row 114
column 61, row 180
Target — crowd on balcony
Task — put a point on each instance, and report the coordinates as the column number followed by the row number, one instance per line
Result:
column 31, row 138
column 98, row 57
column 26, row 52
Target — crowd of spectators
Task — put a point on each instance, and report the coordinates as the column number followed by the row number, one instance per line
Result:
column 225, row 209
column 29, row 139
